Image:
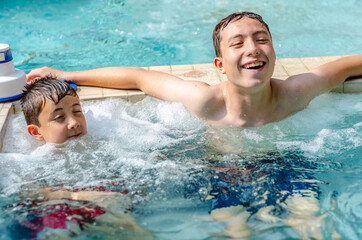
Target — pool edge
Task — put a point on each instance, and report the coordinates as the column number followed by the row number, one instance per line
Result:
column 6, row 109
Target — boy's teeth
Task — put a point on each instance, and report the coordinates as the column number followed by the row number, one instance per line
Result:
column 256, row 64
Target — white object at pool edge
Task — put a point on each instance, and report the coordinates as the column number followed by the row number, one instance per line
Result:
column 12, row 81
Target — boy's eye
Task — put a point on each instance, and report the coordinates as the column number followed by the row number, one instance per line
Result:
column 78, row 111
column 237, row 44
column 58, row 118
column 262, row 40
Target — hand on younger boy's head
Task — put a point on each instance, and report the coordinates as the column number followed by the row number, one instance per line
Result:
column 43, row 73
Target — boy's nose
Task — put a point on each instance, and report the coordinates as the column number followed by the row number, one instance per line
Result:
column 73, row 123
column 252, row 49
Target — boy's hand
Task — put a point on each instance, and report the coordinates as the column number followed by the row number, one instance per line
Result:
column 44, row 72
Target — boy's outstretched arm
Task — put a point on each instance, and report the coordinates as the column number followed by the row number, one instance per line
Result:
column 192, row 94
column 334, row 73
column 325, row 77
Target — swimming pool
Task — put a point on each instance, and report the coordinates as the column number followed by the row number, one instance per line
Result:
column 169, row 166
column 77, row 35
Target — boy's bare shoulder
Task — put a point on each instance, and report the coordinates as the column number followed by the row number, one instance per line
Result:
column 205, row 99
column 290, row 94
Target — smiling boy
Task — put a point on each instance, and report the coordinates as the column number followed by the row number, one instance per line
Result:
column 52, row 111
column 54, row 115
column 249, row 98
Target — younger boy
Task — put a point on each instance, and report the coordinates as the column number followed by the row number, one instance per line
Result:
column 52, row 111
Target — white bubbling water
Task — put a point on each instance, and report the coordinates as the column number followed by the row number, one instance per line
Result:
column 123, row 140
column 123, row 136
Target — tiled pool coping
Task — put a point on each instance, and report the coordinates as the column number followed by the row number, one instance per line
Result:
column 204, row 72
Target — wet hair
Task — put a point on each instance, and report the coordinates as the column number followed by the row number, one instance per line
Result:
column 229, row 19
column 36, row 94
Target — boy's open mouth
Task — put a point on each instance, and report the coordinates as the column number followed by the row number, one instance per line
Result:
column 76, row 135
column 254, row 65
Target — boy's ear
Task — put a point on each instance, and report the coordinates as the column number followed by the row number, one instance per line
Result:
column 33, row 130
column 218, row 64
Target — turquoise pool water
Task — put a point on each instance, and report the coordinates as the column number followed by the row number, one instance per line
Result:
column 85, row 34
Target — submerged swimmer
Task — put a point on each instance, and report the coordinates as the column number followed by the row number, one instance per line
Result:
column 273, row 187
column 250, row 97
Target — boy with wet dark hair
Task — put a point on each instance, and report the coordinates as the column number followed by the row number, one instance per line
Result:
column 52, row 111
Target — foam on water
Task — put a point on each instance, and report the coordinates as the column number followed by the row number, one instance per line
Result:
column 121, row 141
